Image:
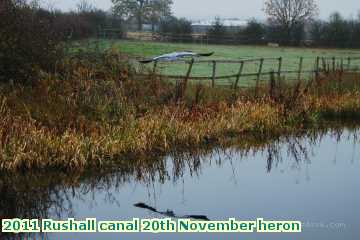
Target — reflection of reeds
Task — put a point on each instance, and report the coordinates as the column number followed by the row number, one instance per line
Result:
column 95, row 110
column 50, row 194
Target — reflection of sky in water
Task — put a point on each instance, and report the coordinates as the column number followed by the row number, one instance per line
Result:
column 321, row 189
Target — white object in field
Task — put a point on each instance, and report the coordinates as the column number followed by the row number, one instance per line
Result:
column 273, row 45
column 175, row 56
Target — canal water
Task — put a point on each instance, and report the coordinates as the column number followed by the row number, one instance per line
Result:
column 313, row 178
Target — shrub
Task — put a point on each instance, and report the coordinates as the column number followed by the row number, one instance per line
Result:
column 217, row 33
column 278, row 34
column 336, row 32
column 81, row 25
column 27, row 42
column 179, row 29
column 253, row 33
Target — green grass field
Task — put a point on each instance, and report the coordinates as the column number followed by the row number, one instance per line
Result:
column 140, row 50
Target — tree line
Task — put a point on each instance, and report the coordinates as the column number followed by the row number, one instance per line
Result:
column 289, row 23
column 336, row 32
column 32, row 38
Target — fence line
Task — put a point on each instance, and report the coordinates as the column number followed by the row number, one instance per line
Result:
column 337, row 67
column 322, row 65
column 224, row 60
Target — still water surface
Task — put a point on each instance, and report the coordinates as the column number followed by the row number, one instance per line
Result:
column 314, row 179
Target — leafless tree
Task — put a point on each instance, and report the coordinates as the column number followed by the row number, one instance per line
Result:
column 84, row 6
column 142, row 10
column 290, row 13
column 159, row 9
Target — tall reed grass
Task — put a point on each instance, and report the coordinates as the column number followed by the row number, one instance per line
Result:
column 95, row 110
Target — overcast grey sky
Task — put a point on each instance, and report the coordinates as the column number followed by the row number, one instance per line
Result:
column 244, row 9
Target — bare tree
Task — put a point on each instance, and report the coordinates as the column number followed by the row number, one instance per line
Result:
column 84, row 6
column 158, row 10
column 289, row 14
column 142, row 10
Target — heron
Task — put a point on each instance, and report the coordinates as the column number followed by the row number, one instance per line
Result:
column 170, row 213
column 175, row 56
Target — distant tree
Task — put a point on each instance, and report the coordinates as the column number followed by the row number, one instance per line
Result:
column 87, row 20
column 84, row 6
column 317, row 32
column 298, row 34
column 218, row 32
column 158, row 10
column 253, row 33
column 180, row 29
column 142, row 10
column 356, row 32
column 276, row 34
column 337, row 32
column 289, row 15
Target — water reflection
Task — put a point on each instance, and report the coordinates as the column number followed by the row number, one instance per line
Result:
column 53, row 194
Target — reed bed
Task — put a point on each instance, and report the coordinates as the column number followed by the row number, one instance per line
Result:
column 95, row 111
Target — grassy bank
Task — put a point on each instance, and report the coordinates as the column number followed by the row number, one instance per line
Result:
column 141, row 49
column 94, row 110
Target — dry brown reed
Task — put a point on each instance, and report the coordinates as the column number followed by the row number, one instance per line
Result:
column 93, row 112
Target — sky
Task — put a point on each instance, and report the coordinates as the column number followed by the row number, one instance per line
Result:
column 243, row 9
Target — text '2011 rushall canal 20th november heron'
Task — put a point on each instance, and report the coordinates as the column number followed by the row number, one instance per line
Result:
column 135, row 225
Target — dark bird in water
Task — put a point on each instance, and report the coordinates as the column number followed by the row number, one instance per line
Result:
column 175, row 56
column 170, row 213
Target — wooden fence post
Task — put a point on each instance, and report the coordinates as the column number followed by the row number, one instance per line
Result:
column 259, row 75
column 341, row 72
column 323, row 64
column 317, row 67
column 300, row 68
column 333, row 64
column 272, row 85
column 213, row 74
column 239, row 74
column 349, row 64
column 155, row 65
column 279, row 68
column 184, row 85
column 342, row 65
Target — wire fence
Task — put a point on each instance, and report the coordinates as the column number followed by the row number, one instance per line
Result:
column 250, row 72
